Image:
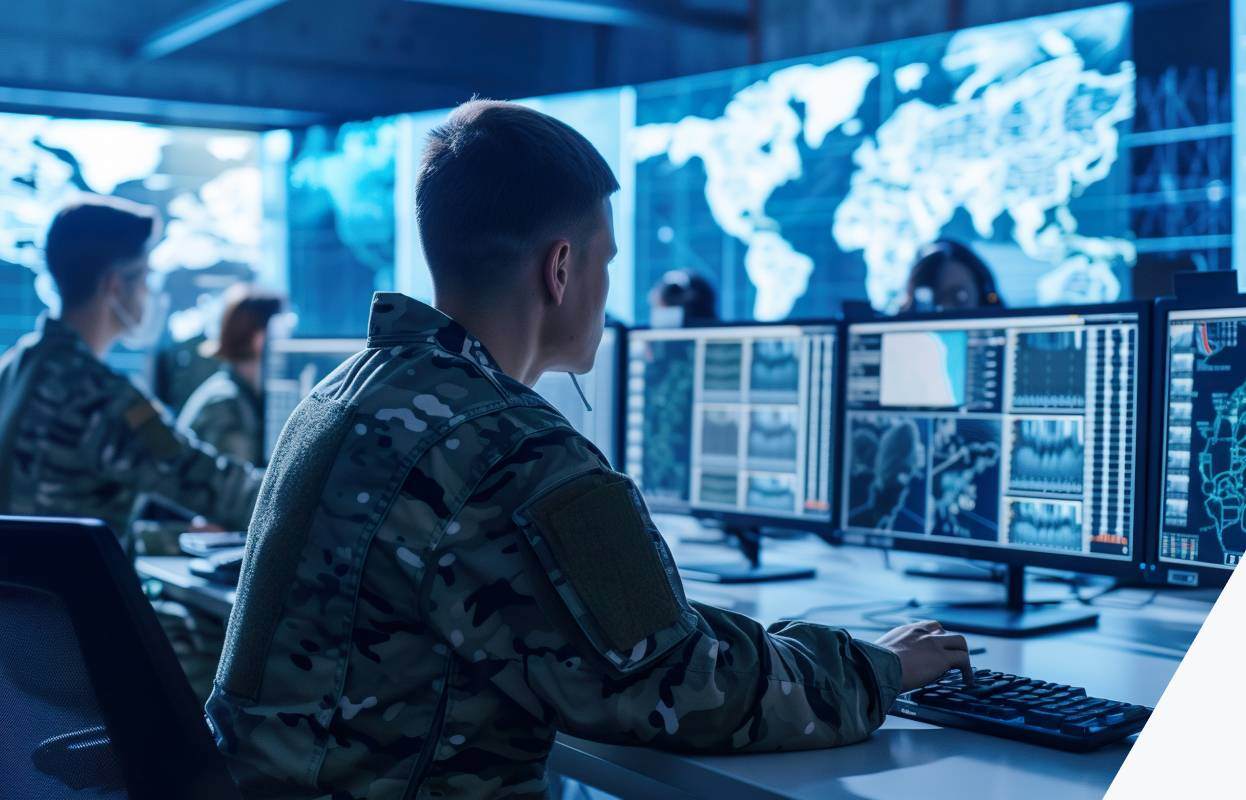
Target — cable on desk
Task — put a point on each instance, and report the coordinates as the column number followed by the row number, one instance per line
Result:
column 887, row 604
column 1093, row 600
column 877, row 617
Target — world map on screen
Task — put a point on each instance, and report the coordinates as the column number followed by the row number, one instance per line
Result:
column 795, row 186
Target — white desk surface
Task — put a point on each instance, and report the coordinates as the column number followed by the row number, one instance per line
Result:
column 1130, row 656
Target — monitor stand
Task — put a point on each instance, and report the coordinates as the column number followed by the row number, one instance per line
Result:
column 748, row 539
column 1015, row 618
column 964, row 571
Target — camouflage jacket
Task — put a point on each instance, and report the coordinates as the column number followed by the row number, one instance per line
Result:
column 226, row 413
column 79, row 440
column 441, row 574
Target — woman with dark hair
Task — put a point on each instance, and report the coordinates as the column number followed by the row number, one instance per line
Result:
column 227, row 411
column 949, row 276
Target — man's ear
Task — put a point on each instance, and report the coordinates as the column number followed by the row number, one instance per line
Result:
column 555, row 270
column 108, row 283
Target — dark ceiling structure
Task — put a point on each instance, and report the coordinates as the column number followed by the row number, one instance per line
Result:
column 279, row 63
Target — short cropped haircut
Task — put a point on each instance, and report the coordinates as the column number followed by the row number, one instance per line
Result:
column 88, row 237
column 496, row 178
column 248, row 310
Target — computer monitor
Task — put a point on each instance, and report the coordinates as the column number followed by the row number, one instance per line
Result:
column 601, row 389
column 735, row 423
column 292, row 368
column 1012, row 437
column 1199, row 507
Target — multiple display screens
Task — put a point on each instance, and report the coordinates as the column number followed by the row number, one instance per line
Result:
column 1012, row 436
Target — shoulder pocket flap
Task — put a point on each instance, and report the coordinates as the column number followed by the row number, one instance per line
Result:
column 609, row 566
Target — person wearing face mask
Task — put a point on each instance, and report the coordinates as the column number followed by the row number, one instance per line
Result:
column 948, row 276
column 682, row 297
column 227, row 410
column 78, row 439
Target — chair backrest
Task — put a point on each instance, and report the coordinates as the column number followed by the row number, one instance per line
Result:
column 90, row 690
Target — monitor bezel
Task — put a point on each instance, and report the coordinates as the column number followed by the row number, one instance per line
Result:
column 618, row 426
column 1075, row 562
column 1168, row 572
column 825, row 529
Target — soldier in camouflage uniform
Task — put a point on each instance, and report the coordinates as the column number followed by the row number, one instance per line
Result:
column 442, row 574
column 79, row 440
column 227, row 410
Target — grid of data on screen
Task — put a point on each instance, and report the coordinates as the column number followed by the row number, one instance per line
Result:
column 733, row 419
column 1204, row 456
column 1011, row 432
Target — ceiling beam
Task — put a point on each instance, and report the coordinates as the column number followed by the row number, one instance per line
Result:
column 147, row 109
column 200, row 23
column 617, row 13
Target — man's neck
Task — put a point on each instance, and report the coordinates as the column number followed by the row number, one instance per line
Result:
column 509, row 333
column 94, row 324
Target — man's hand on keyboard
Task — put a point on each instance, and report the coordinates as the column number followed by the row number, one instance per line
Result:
column 926, row 652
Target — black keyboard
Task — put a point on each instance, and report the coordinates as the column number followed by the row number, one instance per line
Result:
column 1028, row 710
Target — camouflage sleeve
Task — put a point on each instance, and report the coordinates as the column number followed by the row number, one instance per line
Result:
column 136, row 442
column 219, row 424
column 553, row 584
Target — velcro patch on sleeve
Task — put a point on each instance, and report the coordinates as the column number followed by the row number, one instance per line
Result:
column 605, row 565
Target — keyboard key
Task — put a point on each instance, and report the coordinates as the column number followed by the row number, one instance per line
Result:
column 1043, row 719
column 986, row 689
column 1082, row 727
column 1125, row 715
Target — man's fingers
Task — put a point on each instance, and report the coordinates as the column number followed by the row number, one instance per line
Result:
column 960, row 660
column 952, row 641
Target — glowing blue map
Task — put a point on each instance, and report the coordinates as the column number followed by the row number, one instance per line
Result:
column 794, row 186
column 205, row 182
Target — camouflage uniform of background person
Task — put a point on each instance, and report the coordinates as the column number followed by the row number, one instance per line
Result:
column 227, row 410
column 79, row 440
column 441, row 573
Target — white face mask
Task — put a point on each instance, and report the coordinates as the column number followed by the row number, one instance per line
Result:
column 667, row 317
column 142, row 333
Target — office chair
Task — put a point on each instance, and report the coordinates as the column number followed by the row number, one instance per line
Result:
column 91, row 694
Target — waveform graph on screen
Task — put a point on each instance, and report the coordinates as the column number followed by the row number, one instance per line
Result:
column 723, row 370
column 965, row 478
column 718, row 488
column 773, row 437
column 775, row 371
column 1048, row 524
column 888, row 478
column 772, row 492
column 1049, row 371
column 720, row 434
column 1047, row 456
